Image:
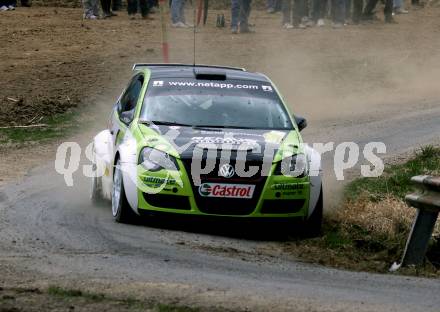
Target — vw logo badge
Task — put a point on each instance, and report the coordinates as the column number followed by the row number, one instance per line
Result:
column 226, row 171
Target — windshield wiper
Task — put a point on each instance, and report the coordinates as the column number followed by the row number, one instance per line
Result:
column 227, row 127
column 172, row 123
column 163, row 123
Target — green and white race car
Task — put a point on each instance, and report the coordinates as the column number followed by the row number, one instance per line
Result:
column 208, row 141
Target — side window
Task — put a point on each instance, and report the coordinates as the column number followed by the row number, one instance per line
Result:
column 129, row 99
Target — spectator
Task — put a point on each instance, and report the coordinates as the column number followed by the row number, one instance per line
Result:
column 8, row 5
column 368, row 14
column 319, row 12
column 338, row 15
column 240, row 11
column 358, row 6
column 297, row 18
column 347, row 11
column 106, row 8
column 273, row 6
column 132, row 8
column 91, row 9
column 416, row 3
column 178, row 14
column 398, row 7
column 116, row 5
column 152, row 5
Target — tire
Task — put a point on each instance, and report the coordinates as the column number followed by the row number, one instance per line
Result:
column 121, row 210
column 313, row 225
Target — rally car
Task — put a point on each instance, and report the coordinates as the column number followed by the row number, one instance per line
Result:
column 207, row 141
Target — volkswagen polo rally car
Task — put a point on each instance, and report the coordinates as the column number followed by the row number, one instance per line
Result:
column 208, row 141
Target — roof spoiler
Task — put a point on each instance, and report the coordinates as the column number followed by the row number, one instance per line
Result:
column 139, row 66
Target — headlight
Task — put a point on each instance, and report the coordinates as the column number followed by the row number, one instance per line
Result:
column 154, row 160
column 293, row 166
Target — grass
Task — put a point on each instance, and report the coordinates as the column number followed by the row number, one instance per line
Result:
column 130, row 302
column 369, row 231
column 71, row 293
column 396, row 179
column 170, row 308
column 57, row 126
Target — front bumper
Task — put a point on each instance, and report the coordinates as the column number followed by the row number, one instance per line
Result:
column 274, row 197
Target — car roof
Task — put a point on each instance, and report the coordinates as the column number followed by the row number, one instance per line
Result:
column 189, row 71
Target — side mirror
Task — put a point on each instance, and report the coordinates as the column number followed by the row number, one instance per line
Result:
column 301, row 122
column 127, row 117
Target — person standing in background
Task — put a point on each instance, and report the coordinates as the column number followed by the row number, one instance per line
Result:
column 273, row 6
column 338, row 16
column 106, row 8
column 116, row 5
column 152, row 5
column 8, row 5
column 91, row 9
column 358, row 6
column 178, row 14
column 368, row 14
column 294, row 14
column 398, row 7
column 240, row 12
column 319, row 12
column 348, row 18
column 132, row 8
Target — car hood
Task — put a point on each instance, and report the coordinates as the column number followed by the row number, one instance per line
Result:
column 184, row 140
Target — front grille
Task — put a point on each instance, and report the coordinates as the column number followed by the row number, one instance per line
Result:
column 282, row 205
column 168, row 201
column 227, row 206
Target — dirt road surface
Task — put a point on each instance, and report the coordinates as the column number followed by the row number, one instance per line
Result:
column 364, row 83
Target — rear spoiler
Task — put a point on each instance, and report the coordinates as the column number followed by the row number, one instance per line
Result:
column 139, row 66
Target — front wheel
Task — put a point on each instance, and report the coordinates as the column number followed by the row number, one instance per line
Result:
column 121, row 209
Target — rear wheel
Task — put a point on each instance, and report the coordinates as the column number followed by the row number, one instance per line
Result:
column 121, row 209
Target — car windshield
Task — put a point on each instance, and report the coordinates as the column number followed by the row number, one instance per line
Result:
column 226, row 104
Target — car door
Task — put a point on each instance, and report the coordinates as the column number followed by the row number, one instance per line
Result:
column 124, row 110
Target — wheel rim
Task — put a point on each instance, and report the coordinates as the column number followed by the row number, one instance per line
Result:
column 116, row 194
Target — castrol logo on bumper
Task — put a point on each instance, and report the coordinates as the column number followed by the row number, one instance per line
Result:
column 226, row 190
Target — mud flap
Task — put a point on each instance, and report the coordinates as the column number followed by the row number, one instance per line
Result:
column 127, row 154
column 103, row 155
column 315, row 177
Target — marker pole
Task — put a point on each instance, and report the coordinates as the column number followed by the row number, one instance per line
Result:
column 199, row 12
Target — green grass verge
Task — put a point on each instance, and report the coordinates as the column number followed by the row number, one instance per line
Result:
column 396, row 178
column 130, row 302
column 57, row 126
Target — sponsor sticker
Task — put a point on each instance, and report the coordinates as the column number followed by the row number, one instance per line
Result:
column 225, row 140
column 287, row 187
column 267, row 88
column 158, row 181
column 224, row 190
